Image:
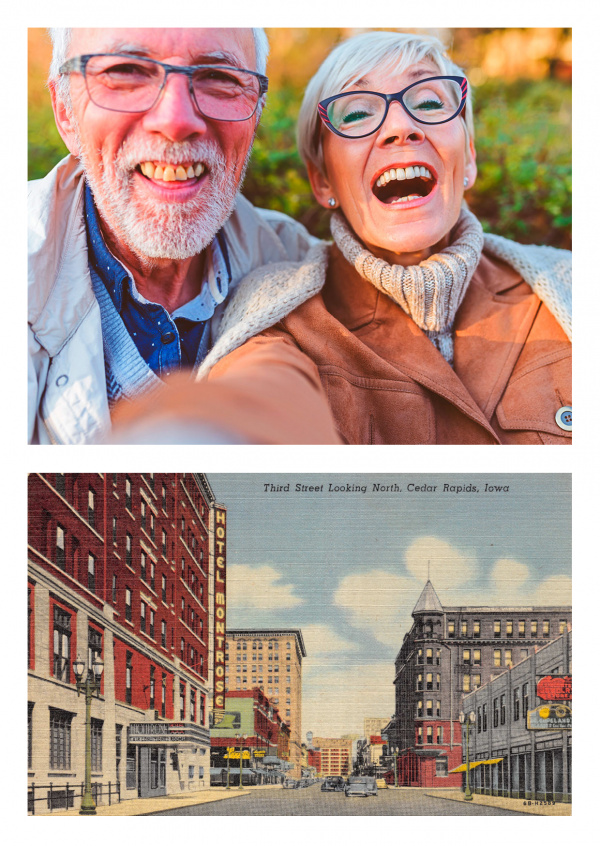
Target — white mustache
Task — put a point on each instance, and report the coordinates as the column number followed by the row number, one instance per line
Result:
column 131, row 154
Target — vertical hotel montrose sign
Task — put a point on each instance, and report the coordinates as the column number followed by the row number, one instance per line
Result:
column 220, row 604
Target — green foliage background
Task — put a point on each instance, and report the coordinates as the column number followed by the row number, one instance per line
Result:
column 523, row 142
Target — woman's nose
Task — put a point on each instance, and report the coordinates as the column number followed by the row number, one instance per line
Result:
column 399, row 128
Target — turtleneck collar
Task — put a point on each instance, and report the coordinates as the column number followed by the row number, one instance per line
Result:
column 430, row 292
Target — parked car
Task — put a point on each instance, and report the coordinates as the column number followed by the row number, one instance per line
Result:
column 334, row 783
column 361, row 786
column 290, row 784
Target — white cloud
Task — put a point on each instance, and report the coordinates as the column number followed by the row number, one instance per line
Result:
column 323, row 640
column 336, row 702
column 447, row 566
column 378, row 602
column 555, row 590
column 258, row 587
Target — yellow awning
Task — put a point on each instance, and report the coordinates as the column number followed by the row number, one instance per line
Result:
column 463, row 767
column 492, row 761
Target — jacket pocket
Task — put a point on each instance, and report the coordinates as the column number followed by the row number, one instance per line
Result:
column 532, row 399
column 378, row 411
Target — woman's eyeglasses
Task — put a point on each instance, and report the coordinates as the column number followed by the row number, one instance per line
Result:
column 123, row 82
column 356, row 114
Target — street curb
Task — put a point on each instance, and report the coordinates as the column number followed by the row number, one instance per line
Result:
column 502, row 807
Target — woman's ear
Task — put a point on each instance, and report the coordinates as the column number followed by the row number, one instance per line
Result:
column 320, row 185
column 470, row 164
column 64, row 120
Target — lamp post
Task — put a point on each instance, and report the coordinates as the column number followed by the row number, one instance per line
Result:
column 242, row 739
column 89, row 686
column 228, row 759
column 468, row 720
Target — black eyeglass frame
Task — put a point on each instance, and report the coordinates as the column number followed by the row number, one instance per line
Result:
column 79, row 64
column 391, row 98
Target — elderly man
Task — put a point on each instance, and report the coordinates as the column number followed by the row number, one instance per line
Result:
column 139, row 236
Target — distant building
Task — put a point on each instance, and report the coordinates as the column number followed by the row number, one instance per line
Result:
column 375, row 750
column 374, row 725
column 122, row 567
column 449, row 652
column 509, row 758
column 336, row 755
column 271, row 659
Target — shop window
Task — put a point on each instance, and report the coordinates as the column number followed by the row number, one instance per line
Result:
column 130, row 768
column 62, row 644
column 441, row 767
column 60, row 739
column 96, row 744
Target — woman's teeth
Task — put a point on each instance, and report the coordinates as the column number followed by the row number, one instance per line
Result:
column 403, row 173
column 171, row 173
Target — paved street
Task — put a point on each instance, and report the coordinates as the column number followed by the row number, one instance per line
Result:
column 310, row 801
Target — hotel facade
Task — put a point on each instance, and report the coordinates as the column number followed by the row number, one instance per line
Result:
column 127, row 570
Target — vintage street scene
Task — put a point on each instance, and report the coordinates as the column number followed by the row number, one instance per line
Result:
column 299, row 644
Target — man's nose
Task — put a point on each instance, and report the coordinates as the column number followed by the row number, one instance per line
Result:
column 174, row 114
column 399, row 127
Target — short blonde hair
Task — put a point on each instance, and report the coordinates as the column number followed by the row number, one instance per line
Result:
column 358, row 56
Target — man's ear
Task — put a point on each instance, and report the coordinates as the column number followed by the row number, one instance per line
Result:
column 320, row 185
column 470, row 164
column 64, row 120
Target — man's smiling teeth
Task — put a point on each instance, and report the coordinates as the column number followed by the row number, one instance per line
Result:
column 403, row 173
column 171, row 173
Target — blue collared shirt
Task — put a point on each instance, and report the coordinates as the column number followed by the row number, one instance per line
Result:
column 166, row 342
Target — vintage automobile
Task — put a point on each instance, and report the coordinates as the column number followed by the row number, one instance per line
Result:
column 290, row 784
column 334, row 783
column 361, row 786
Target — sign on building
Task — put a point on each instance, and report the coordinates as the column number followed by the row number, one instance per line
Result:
column 554, row 688
column 555, row 717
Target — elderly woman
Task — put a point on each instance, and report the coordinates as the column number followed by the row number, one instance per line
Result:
column 422, row 329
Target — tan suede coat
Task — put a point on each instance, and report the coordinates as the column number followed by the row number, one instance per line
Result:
column 387, row 384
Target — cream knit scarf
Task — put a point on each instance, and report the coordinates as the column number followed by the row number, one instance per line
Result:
column 430, row 292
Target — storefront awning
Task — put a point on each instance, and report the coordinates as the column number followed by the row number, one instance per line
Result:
column 463, row 767
column 491, row 761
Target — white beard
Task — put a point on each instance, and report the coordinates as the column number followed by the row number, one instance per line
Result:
column 159, row 229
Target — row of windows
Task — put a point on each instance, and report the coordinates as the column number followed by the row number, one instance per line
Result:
column 430, row 682
column 439, row 734
column 242, row 645
column 499, row 709
column 508, row 628
column 428, row 657
column 430, row 710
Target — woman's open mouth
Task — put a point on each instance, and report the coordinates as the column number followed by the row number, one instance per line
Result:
column 402, row 185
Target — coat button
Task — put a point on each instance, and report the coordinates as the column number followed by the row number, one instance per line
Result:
column 564, row 418
column 62, row 380
column 168, row 337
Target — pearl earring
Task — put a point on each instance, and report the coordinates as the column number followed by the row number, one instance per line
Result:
column 465, row 181
column 332, row 202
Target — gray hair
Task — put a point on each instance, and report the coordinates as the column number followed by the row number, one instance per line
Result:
column 358, row 56
column 61, row 40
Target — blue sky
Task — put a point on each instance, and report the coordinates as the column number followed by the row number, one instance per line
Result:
column 347, row 567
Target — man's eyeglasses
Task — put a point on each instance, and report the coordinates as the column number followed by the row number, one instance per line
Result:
column 122, row 82
column 356, row 114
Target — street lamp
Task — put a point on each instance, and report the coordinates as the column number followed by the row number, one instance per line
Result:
column 90, row 686
column 468, row 720
column 242, row 739
column 396, row 751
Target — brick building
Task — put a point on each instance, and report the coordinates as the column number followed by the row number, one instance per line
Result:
column 335, row 754
column 449, row 652
column 270, row 659
column 508, row 759
column 123, row 567
column 267, row 737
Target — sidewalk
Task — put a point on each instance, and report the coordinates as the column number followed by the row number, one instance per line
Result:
column 561, row 809
column 140, row 807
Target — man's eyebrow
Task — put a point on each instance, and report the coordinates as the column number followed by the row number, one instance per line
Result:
column 217, row 57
